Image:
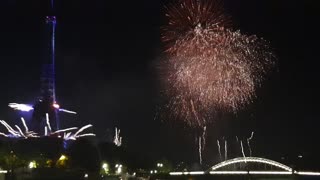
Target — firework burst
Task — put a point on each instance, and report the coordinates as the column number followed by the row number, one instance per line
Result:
column 188, row 14
column 209, row 66
column 67, row 133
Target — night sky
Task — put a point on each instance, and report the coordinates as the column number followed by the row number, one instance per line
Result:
column 106, row 54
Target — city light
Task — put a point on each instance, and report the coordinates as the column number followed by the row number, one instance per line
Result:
column 104, row 165
column 62, row 158
column 105, row 168
column 32, row 165
column 62, row 161
column 86, row 175
column 119, row 168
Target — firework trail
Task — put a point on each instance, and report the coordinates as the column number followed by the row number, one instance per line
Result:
column 12, row 132
column 219, row 150
column 204, row 136
column 16, row 134
column 242, row 149
column 225, row 150
column 48, row 122
column 117, row 139
column 65, row 130
column 202, row 143
column 248, row 142
column 67, row 111
column 3, row 134
column 209, row 67
column 200, row 150
column 82, row 129
column 25, row 125
column 47, row 131
column 20, row 131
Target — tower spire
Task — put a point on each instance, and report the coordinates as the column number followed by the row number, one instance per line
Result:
column 47, row 101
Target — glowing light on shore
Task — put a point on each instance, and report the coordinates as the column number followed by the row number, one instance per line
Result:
column 32, row 165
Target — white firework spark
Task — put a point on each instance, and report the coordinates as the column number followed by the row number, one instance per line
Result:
column 48, row 122
column 47, row 131
column 25, row 125
column 65, row 130
column 117, row 140
column 12, row 132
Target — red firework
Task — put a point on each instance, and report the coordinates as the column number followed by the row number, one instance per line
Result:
column 209, row 67
column 186, row 15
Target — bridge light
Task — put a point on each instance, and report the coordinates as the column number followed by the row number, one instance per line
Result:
column 308, row 173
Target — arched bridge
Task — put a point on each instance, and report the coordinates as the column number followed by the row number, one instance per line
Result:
column 248, row 166
column 250, row 163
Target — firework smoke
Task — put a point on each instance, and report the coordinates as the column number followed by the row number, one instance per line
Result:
column 209, row 66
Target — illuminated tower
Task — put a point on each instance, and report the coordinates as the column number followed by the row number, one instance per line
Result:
column 46, row 103
column 47, row 99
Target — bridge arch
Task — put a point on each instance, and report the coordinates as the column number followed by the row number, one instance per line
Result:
column 250, row 159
